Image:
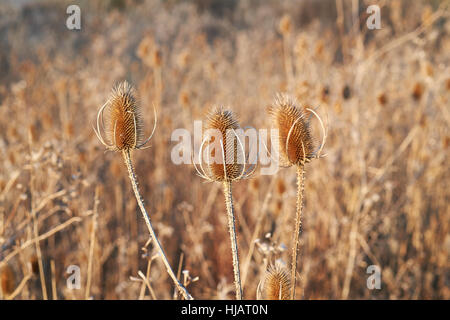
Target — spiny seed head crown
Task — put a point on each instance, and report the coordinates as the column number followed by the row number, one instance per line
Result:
column 121, row 120
column 225, row 152
column 227, row 169
column 277, row 283
column 7, row 280
column 123, row 127
column 295, row 141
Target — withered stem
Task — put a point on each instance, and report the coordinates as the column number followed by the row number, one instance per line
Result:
column 298, row 226
column 232, row 230
column 132, row 175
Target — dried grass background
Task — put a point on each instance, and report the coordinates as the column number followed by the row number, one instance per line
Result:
column 380, row 196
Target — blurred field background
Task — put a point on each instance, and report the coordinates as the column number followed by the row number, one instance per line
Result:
column 380, row 196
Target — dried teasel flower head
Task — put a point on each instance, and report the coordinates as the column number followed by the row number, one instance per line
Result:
column 225, row 153
column 382, row 98
column 34, row 264
column 281, row 187
column 277, row 283
column 7, row 280
column 121, row 120
column 285, row 25
column 417, row 91
column 296, row 144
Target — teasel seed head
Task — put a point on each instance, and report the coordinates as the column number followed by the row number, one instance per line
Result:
column 296, row 145
column 7, row 280
column 277, row 283
column 285, row 26
column 418, row 90
column 121, row 120
column 281, row 187
column 231, row 163
column 382, row 98
column 34, row 264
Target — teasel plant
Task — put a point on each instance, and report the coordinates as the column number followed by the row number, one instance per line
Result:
column 121, row 122
column 296, row 147
column 277, row 283
column 231, row 164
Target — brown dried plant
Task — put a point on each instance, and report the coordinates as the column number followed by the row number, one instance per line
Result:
column 277, row 283
column 7, row 281
column 122, row 123
column 230, row 165
column 296, row 147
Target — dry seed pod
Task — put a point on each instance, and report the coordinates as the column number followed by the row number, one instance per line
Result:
column 285, row 24
column 145, row 50
column 156, row 58
column 121, row 120
column 230, row 163
column 225, row 122
column 124, row 120
column 7, row 280
column 184, row 98
column 281, row 187
column 34, row 266
column 144, row 47
column 295, row 140
column 277, row 283
column 382, row 99
column 319, row 48
column 446, row 142
column 33, row 133
column 417, row 91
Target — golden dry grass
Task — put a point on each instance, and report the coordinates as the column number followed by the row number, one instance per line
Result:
column 379, row 197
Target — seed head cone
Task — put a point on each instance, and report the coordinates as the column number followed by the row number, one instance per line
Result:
column 123, row 119
column 277, row 284
column 7, row 280
column 292, row 123
column 225, row 121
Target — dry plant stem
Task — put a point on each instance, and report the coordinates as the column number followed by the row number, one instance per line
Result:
column 232, row 229
column 54, row 291
column 145, row 281
column 298, row 225
column 181, row 288
column 19, row 287
column 92, row 244
column 39, row 257
column 180, row 265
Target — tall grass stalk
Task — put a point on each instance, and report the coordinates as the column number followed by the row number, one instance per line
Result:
column 232, row 230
